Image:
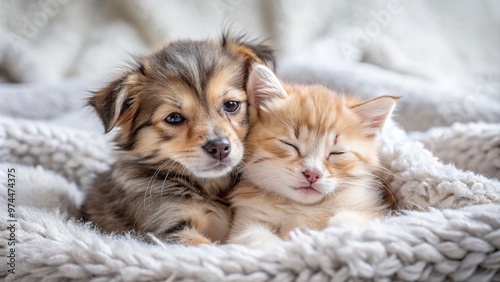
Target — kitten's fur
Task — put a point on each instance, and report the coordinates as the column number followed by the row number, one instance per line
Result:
column 309, row 137
column 183, row 115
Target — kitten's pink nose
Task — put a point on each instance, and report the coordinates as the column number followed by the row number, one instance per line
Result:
column 312, row 176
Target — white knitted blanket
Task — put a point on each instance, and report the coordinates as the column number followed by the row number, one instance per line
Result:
column 446, row 177
column 458, row 238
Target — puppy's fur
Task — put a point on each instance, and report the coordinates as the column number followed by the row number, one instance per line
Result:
column 172, row 107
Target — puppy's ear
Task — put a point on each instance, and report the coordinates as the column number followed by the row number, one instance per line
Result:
column 110, row 103
column 253, row 52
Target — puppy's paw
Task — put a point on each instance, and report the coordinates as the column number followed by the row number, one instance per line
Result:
column 196, row 240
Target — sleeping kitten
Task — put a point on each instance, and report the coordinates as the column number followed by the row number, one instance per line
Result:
column 309, row 162
column 182, row 113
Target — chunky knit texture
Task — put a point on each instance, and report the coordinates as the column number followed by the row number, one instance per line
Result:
column 445, row 178
column 453, row 231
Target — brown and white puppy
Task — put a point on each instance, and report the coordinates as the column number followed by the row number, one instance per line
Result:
column 183, row 116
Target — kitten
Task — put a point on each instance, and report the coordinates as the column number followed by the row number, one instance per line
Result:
column 309, row 161
column 183, row 115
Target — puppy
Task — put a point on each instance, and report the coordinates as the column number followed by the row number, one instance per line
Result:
column 183, row 115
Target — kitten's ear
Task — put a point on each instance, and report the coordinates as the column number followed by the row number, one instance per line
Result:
column 264, row 89
column 110, row 103
column 374, row 112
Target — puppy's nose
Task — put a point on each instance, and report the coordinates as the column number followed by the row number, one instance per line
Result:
column 218, row 148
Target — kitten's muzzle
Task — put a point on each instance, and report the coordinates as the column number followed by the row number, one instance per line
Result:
column 218, row 148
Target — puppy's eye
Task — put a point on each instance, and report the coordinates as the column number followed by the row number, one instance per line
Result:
column 291, row 145
column 336, row 153
column 174, row 118
column 231, row 106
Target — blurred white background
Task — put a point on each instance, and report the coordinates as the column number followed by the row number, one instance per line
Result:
column 442, row 56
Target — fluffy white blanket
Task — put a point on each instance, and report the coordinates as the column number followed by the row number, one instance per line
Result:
column 445, row 177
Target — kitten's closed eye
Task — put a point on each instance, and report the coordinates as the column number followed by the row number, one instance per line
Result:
column 291, row 145
column 340, row 156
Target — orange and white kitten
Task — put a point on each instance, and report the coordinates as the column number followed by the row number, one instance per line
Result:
column 310, row 161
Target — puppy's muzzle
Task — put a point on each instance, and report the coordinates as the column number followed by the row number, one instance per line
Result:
column 218, row 148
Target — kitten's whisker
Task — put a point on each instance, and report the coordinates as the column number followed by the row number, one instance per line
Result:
column 242, row 166
column 288, row 126
column 413, row 203
column 386, row 171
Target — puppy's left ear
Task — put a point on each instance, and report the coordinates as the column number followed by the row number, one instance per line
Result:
column 110, row 103
column 253, row 52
